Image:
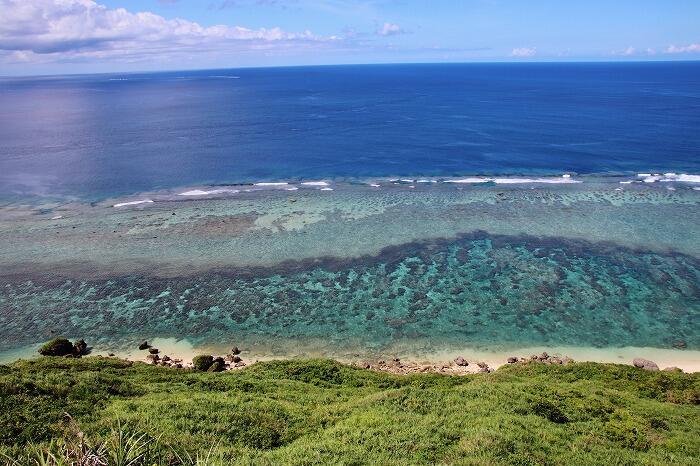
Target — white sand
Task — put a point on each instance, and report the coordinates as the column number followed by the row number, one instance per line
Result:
column 688, row 360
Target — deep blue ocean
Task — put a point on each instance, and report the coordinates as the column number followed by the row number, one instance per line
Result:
column 104, row 135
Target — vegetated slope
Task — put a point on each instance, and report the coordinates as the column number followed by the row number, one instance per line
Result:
column 320, row 411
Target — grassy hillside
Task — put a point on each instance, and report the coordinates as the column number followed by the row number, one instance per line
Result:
column 319, row 411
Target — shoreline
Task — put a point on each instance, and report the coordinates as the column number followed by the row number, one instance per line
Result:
column 403, row 361
column 687, row 360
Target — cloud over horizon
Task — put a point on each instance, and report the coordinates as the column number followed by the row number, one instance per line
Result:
column 69, row 36
column 71, row 29
column 523, row 52
column 390, row 29
column 684, row 49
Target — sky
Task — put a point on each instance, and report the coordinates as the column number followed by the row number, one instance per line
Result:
column 85, row 36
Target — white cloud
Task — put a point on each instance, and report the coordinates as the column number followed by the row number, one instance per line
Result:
column 692, row 48
column 69, row 29
column 633, row 51
column 523, row 52
column 390, row 29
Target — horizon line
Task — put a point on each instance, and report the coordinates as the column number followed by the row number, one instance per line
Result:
column 263, row 67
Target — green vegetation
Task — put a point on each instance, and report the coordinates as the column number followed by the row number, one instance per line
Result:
column 56, row 347
column 320, row 411
column 202, row 362
column 63, row 347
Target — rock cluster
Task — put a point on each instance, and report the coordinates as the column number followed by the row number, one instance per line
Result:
column 543, row 358
column 206, row 363
column 459, row 366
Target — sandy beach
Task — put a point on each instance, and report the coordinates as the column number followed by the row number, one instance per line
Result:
column 182, row 349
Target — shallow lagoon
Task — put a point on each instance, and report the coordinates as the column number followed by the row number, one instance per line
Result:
column 408, row 268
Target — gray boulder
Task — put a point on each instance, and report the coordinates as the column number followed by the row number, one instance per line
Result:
column 460, row 361
column 645, row 364
column 673, row 369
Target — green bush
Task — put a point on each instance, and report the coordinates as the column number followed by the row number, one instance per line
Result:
column 57, row 347
column 202, row 362
column 627, row 433
column 549, row 410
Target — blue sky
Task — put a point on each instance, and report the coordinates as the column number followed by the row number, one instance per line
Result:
column 75, row 36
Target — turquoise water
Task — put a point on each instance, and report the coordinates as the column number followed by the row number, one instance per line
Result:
column 481, row 291
column 358, row 271
column 127, row 209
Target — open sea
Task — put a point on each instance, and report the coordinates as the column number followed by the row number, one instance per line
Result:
column 350, row 211
column 105, row 135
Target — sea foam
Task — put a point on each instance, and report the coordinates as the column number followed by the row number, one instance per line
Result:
column 469, row 180
column 566, row 179
column 144, row 201
column 201, row 192
column 315, row 183
column 668, row 177
column 562, row 180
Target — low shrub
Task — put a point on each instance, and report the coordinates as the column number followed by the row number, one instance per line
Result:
column 202, row 362
column 549, row 410
column 627, row 433
column 57, row 347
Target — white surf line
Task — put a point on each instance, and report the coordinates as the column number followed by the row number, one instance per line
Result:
column 200, row 192
column 315, row 183
column 668, row 177
column 468, row 180
column 564, row 179
column 561, row 180
column 122, row 204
